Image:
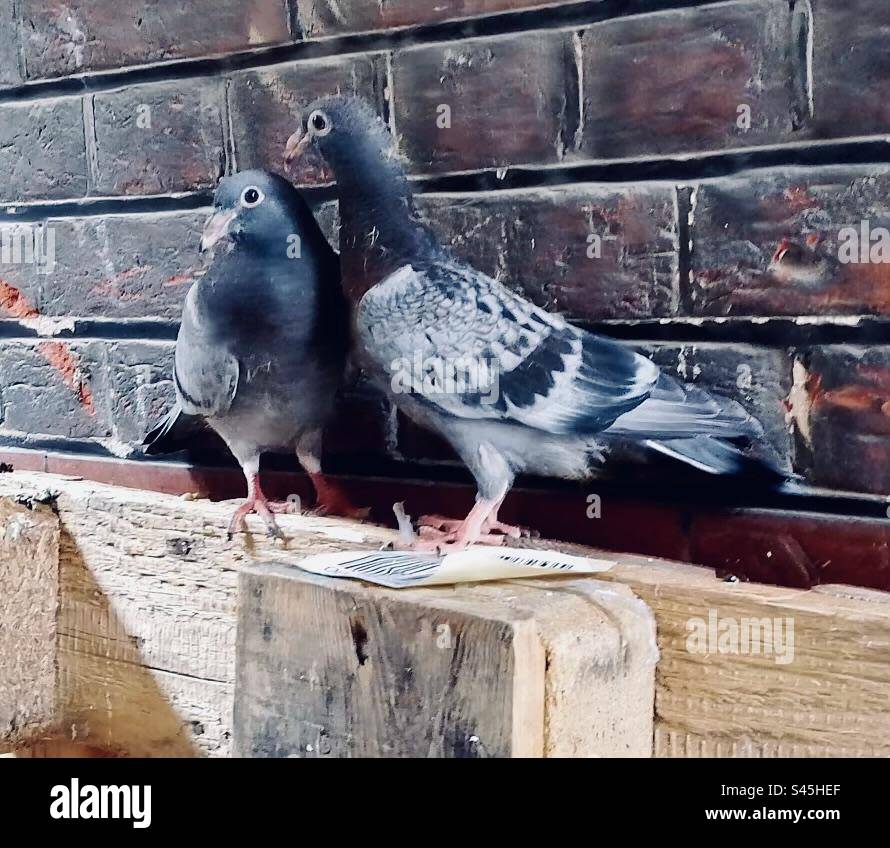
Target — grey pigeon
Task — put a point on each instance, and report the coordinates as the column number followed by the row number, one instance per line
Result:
column 264, row 337
column 512, row 387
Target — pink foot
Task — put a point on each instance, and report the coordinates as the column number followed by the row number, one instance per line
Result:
column 452, row 541
column 490, row 526
column 439, row 522
column 257, row 504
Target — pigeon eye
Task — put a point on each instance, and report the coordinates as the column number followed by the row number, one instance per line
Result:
column 319, row 123
column 251, row 196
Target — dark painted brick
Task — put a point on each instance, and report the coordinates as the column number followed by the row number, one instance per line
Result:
column 132, row 386
column 129, row 266
column 320, row 18
column 508, row 98
column 158, row 139
column 72, row 36
column 841, row 412
column 42, row 150
column 126, row 266
column 111, row 391
column 265, row 107
column 673, row 82
column 10, row 70
column 851, row 67
column 26, row 253
column 537, row 241
column 738, row 224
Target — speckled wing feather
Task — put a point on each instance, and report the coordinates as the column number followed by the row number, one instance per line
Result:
column 205, row 373
column 551, row 376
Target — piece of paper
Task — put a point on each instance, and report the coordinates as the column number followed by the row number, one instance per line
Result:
column 404, row 569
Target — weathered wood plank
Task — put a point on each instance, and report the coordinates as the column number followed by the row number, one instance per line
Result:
column 829, row 700
column 441, row 672
column 149, row 610
column 29, row 599
column 327, row 670
column 146, row 623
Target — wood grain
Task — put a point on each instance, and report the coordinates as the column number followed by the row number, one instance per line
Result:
column 29, row 598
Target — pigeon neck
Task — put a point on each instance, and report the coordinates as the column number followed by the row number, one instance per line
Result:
column 380, row 230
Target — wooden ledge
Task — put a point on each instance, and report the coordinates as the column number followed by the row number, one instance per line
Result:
column 145, row 658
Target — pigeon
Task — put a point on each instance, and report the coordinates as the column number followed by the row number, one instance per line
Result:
column 511, row 387
column 264, row 338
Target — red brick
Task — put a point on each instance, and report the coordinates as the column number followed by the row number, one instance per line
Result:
column 320, row 18
column 851, row 68
column 841, row 413
column 72, row 36
column 42, row 150
column 10, row 70
column 507, row 98
column 738, row 223
column 159, row 139
column 124, row 266
column 536, row 241
column 673, row 82
column 111, row 391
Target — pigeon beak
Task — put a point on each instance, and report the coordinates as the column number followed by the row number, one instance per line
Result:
column 217, row 227
column 296, row 146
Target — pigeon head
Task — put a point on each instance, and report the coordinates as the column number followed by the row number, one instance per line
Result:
column 256, row 209
column 351, row 138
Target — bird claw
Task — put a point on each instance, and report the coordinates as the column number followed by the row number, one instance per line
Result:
column 452, row 541
column 452, row 526
column 261, row 507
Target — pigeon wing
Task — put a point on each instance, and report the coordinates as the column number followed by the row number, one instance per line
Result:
column 205, row 373
column 506, row 358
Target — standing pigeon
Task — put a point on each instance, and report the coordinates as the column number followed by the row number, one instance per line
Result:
column 264, row 337
column 510, row 386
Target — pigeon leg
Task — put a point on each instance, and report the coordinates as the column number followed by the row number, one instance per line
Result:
column 511, row 531
column 256, row 502
column 330, row 499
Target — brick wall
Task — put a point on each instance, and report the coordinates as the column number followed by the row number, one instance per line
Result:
column 689, row 138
